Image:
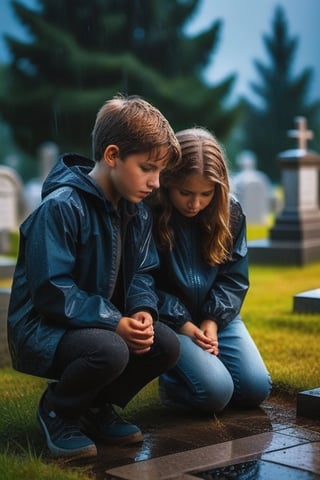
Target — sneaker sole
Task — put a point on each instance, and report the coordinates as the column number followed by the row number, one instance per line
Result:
column 88, row 451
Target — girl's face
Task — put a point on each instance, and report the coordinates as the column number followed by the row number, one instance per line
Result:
column 192, row 195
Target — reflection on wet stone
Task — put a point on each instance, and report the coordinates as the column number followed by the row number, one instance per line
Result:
column 256, row 470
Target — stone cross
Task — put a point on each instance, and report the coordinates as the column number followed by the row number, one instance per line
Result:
column 302, row 134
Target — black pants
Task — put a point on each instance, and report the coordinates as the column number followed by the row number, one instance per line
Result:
column 94, row 367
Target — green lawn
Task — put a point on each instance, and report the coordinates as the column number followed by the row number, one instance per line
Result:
column 288, row 342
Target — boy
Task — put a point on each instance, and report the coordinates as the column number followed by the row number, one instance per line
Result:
column 82, row 307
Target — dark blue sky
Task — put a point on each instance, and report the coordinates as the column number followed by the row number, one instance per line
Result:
column 245, row 21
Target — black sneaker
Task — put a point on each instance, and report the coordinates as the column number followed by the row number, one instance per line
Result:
column 64, row 437
column 106, row 425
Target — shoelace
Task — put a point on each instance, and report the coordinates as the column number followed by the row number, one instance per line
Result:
column 109, row 415
column 62, row 428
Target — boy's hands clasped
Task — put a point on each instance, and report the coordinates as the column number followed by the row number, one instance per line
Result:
column 205, row 337
column 137, row 331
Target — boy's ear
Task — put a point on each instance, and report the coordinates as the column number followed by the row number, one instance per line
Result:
column 111, row 154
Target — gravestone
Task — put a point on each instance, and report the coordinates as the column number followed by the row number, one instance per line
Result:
column 5, row 359
column 253, row 189
column 294, row 239
column 48, row 154
column 307, row 302
column 308, row 403
column 7, row 266
column 10, row 205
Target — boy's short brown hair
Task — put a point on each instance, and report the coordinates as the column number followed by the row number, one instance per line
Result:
column 135, row 126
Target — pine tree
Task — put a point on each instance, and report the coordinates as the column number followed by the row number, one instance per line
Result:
column 81, row 53
column 282, row 98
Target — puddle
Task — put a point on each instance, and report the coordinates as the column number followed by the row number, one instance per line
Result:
column 255, row 470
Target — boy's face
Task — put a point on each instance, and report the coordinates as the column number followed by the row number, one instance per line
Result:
column 137, row 176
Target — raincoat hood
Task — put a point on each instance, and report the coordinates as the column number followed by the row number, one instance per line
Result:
column 72, row 170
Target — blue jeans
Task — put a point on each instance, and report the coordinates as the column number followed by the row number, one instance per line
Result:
column 209, row 383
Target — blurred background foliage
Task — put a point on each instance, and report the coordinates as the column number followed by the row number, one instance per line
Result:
column 81, row 53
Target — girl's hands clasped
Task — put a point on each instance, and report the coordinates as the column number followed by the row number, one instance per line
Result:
column 205, row 337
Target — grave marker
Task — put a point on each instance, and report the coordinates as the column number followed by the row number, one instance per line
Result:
column 253, row 189
column 307, row 302
column 308, row 403
column 294, row 239
column 302, row 134
column 10, row 203
column 48, row 155
column 5, row 359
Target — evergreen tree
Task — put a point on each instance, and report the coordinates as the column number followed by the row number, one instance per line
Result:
column 82, row 53
column 282, row 98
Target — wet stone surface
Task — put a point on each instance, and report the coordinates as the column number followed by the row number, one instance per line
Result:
column 168, row 432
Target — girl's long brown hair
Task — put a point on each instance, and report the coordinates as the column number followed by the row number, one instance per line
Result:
column 201, row 154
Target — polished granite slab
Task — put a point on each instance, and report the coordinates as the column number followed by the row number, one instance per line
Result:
column 283, row 449
column 255, row 470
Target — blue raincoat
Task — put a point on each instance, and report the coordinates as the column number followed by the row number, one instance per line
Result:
column 73, row 248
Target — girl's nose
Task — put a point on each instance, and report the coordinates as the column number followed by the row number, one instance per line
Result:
column 154, row 180
column 194, row 202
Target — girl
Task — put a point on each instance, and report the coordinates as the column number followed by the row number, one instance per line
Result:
column 202, row 281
